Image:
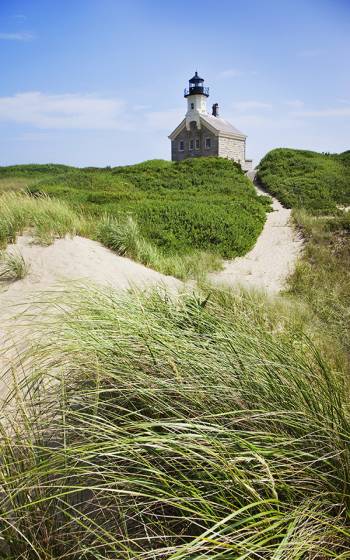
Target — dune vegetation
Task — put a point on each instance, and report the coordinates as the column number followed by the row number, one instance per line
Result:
column 310, row 180
column 212, row 424
column 187, row 215
column 42, row 217
column 318, row 188
column 193, row 428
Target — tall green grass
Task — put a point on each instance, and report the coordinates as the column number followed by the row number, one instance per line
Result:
column 205, row 427
column 45, row 218
column 12, row 266
column 322, row 277
column 124, row 237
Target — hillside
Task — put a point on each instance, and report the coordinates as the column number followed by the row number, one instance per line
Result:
column 206, row 207
column 304, row 179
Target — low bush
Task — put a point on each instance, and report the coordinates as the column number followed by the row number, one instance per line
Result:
column 304, row 179
column 317, row 186
column 123, row 236
column 188, row 215
column 206, row 204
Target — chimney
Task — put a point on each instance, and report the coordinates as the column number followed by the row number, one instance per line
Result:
column 215, row 110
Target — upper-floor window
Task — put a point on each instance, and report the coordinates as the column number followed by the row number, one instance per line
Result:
column 208, row 143
column 191, row 144
column 181, row 146
column 197, row 144
column 192, row 105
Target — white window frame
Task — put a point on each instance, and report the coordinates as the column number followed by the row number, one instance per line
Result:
column 191, row 145
column 206, row 143
column 181, row 145
column 197, row 144
column 192, row 106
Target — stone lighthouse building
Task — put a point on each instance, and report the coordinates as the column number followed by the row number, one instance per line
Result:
column 200, row 134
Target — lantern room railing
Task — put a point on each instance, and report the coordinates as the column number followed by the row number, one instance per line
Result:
column 196, row 89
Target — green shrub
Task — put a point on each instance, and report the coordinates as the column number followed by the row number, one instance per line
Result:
column 123, row 236
column 303, row 179
column 202, row 205
column 188, row 214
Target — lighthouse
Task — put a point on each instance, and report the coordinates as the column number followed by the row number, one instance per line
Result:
column 201, row 134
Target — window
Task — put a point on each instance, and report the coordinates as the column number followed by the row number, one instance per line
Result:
column 192, row 105
column 207, row 143
column 181, row 146
column 191, row 144
column 197, row 144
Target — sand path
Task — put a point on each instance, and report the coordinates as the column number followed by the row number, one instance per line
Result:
column 273, row 257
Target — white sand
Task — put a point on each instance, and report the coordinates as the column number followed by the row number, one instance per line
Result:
column 78, row 259
column 273, row 258
column 67, row 261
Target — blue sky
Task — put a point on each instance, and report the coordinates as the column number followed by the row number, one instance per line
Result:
column 100, row 82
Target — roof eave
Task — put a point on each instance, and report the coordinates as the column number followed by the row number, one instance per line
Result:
column 178, row 129
column 234, row 136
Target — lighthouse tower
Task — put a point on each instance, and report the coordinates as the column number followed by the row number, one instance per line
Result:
column 196, row 96
column 201, row 134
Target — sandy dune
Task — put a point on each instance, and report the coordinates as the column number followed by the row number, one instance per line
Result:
column 77, row 259
column 271, row 260
column 51, row 269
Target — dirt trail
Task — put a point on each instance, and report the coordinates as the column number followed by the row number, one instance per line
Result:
column 271, row 260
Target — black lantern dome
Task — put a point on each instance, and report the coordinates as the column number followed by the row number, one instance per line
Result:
column 195, row 86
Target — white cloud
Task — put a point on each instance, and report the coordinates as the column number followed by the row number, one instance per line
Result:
column 243, row 106
column 141, row 107
column 20, row 36
column 20, row 17
column 164, row 120
column 295, row 103
column 65, row 111
column 337, row 112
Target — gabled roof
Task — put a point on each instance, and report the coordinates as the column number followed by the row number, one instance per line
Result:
column 218, row 126
column 221, row 127
column 177, row 129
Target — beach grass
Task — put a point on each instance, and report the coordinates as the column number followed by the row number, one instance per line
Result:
column 203, row 426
